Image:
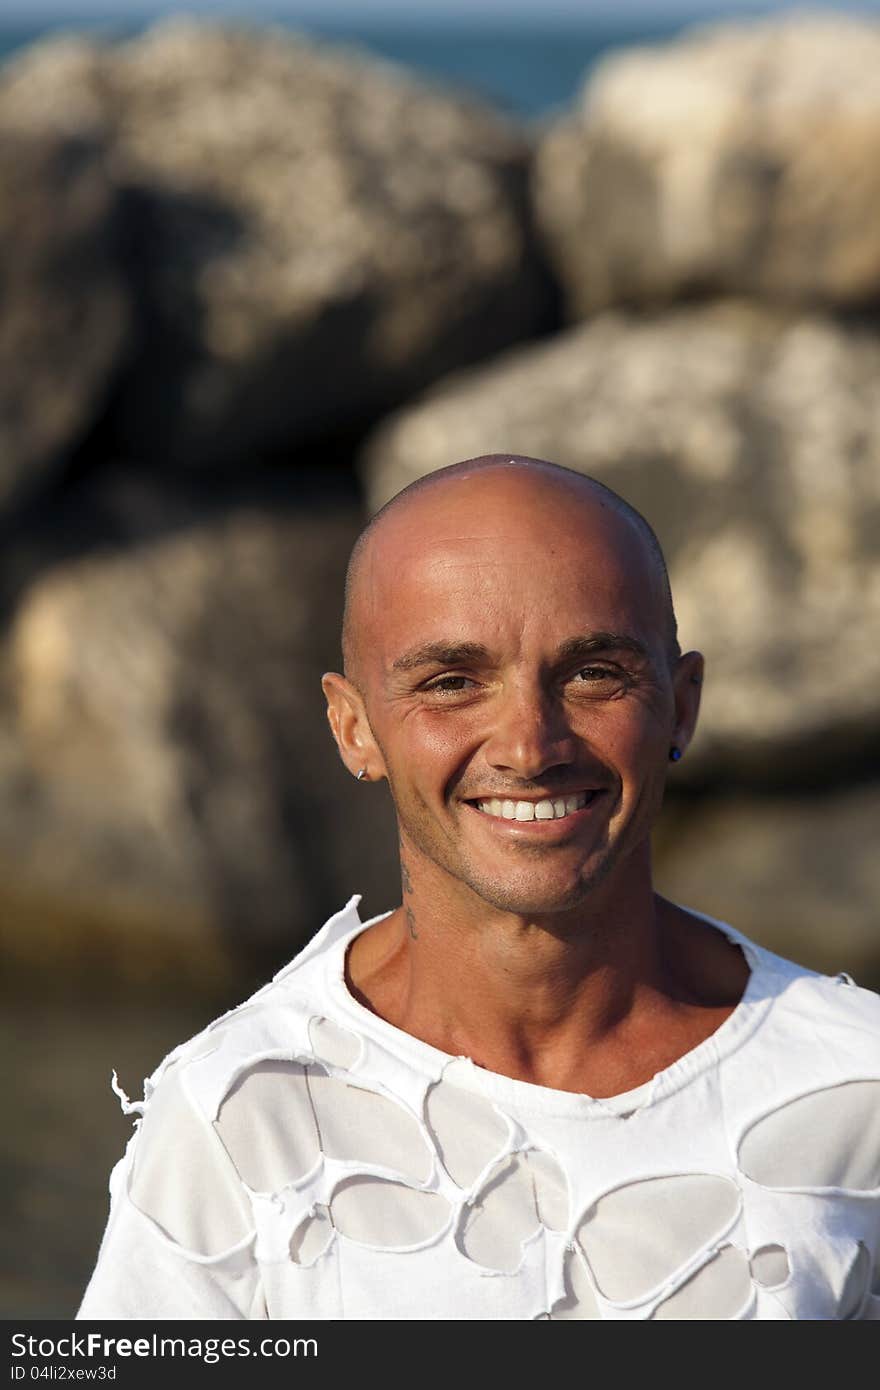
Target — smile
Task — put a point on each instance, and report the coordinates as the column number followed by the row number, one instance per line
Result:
column 556, row 809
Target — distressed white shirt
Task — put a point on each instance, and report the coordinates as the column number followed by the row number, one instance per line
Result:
column 302, row 1158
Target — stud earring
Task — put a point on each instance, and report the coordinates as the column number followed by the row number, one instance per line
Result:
column 674, row 753
column 362, row 773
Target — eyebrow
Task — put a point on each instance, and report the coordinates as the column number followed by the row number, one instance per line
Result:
column 596, row 642
column 442, row 654
column 445, row 653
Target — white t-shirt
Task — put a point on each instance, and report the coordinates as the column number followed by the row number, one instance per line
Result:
column 302, row 1158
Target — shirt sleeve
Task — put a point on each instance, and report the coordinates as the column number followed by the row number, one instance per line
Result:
column 179, row 1241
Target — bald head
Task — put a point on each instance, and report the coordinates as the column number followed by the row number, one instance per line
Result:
column 463, row 493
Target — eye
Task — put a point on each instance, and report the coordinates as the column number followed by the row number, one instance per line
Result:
column 593, row 673
column 599, row 681
column 449, row 685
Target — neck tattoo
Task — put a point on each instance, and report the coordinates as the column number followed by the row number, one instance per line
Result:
column 407, row 890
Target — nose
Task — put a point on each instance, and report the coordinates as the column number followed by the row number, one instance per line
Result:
column 530, row 733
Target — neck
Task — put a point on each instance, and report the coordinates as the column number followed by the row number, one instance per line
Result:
column 527, row 965
column 595, row 997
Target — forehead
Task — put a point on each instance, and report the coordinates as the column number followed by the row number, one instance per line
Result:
column 510, row 560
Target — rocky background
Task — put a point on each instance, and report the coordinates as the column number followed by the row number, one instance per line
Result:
column 251, row 287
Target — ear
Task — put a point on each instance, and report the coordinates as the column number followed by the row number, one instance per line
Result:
column 688, row 685
column 350, row 726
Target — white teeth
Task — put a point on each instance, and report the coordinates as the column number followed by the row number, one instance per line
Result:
column 530, row 810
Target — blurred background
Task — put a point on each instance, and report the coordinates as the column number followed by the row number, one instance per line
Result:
column 259, row 269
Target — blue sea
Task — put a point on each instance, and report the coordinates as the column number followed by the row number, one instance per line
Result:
column 527, row 69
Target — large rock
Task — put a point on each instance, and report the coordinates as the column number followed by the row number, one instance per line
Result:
column 170, row 786
column 64, row 308
column 743, row 158
column 800, row 875
column 752, row 444
column 312, row 234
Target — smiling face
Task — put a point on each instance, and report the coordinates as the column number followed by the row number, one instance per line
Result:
column 516, row 686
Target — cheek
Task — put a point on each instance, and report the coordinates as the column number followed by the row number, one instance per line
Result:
column 439, row 737
column 642, row 759
column 626, row 734
column 425, row 751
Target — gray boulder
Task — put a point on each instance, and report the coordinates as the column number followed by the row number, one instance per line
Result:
column 311, row 234
column 64, row 309
column 743, row 158
column 800, row 875
column 751, row 442
column 170, row 784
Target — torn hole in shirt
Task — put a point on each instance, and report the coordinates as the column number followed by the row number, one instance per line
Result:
column 579, row 1302
column 195, row 1199
column 312, row 1237
column 387, row 1214
column 638, row 1236
column 280, row 1117
column 550, row 1188
column 334, row 1045
column 501, row 1218
column 827, row 1138
column 363, row 1126
column 524, row 1191
column 770, row 1267
column 467, row 1130
column 267, row 1125
column 719, row 1290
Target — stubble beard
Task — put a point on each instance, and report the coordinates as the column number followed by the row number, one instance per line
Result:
column 518, row 896
column 513, row 894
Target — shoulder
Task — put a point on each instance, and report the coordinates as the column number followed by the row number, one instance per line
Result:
column 801, row 1081
column 797, row 1030
column 220, row 1108
column 804, row 1004
column 824, row 1010
column 286, row 1017
column 813, row 1084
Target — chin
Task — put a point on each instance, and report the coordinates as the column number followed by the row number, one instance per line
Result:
column 536, row 899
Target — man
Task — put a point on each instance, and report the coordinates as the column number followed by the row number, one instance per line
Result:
column 535, row 1089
